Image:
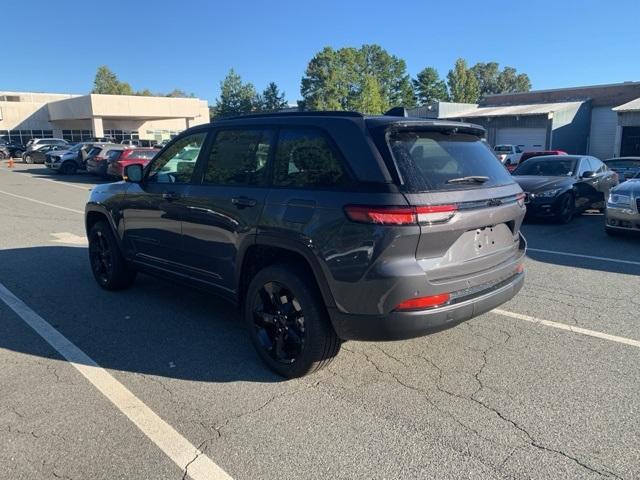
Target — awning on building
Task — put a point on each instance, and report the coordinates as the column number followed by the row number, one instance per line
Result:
column 516, row 110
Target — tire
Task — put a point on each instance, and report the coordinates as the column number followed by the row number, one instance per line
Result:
column 295, row 337
column 108, row 266
column 68, row 168
column 28, row 158
column 567, row 208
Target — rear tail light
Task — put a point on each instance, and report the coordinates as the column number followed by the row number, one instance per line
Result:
column 98, row 159
column 520, row 199
column 422, row 303
column 400, row 215
column 520, row 268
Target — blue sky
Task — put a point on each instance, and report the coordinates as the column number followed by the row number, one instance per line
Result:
column 56, row 46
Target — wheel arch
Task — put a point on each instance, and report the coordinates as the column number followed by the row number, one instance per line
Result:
column 94, row 213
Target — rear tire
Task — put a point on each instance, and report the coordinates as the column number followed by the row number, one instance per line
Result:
column 108, row 266
column 28, row 159
column 68, row 168
column 287, row 321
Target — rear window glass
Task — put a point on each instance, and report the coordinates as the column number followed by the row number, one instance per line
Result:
column 143, row 154
column 94, row 151
column 623, row 163
column 113, row 154
column 502, row 148
column 547, row 168
column 429, row 160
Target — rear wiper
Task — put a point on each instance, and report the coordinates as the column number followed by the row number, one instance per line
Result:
column 470, row 179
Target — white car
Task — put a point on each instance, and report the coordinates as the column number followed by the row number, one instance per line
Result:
column 508, row 154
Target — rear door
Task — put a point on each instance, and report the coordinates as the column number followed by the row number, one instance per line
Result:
column 223, row 207
column 469, row 208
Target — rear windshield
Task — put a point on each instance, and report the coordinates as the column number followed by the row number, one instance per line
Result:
column 113, row 154
column 143, row 154
column 429, row 160
column 94, row 151
column 502, row 148
column 547, row 168
column 623, row 163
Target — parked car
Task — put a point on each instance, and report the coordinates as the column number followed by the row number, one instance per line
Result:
column 560, row 186
column 623, row 207
column 39, row 155
column 35, row 143
column 11, row 149
column 119, row 159
column 625, row 167
column 541, row 153
column 265, row 209
column 71, row 160
column 97, row 163
column 134, row 143
column 508, row 154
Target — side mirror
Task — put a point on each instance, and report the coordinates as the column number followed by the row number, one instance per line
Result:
column 133, row 173
column 588, row 174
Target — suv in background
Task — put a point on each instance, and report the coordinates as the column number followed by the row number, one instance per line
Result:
column 35, row 143
column 321, row 226
column 97, row 163
column 11, row 149
column 119, row 159
column 508, row 154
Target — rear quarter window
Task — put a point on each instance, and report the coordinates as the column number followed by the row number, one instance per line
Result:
column 429, row 161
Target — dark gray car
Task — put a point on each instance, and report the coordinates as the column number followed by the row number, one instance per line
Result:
column 322, row 227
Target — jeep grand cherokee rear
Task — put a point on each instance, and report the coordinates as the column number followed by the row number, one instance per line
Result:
column 321, row 226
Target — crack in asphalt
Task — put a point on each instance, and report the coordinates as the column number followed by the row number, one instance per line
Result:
column 530, row 440
column 201, row 450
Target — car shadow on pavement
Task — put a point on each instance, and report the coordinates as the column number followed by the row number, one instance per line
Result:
column 80, row 177
column 583, row 238
column 153, row 328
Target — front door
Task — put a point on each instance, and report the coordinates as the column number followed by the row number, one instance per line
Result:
column 154, row 208
column 223, row 208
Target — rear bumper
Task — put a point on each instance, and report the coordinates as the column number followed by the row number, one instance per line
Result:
column 99, row 168
column 404, row 325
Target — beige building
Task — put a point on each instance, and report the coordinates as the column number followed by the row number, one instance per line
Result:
column 25, row 115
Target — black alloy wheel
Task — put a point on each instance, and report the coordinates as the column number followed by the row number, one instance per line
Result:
column 279, row 323
column 101, row 256
column 567, row 208
column 108, row 266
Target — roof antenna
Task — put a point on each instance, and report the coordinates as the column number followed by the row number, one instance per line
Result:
column 397, row 112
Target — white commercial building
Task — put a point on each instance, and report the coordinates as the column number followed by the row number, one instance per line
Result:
column 25, row 115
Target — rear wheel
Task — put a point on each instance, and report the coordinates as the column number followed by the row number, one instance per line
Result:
column 108, row 266
column 287, row 321
column 28, row 158
column 68, row 168
column 567, row 208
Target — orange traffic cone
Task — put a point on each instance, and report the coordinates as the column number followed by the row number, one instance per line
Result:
column 10, row 162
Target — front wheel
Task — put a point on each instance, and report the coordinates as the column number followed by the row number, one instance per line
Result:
column 68, row 168
column 288, row 322
column 567, row 208
column 108, row 266
column 28, row 159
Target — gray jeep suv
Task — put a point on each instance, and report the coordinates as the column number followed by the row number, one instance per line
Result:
column 321, row 226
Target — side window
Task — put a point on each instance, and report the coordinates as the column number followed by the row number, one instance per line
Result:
column 585, row 166
column 239, row 157
column 176, row 164
column 518, row 149
column 304, row 158
column 598, row 166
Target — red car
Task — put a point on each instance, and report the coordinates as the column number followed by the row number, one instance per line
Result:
column 118, row 159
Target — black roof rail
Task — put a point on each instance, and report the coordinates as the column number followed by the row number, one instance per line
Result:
column 397, row 112
column 310, row 113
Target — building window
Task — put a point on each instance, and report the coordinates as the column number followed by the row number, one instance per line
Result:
column 77, row 135
column 23, row 136
column 120, row 135
column 9, row 98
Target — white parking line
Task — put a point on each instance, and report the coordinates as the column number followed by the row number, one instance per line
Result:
column 41, row 203
column 569, row 328
column 590, row 257
column 184, row 454
column 63, row 184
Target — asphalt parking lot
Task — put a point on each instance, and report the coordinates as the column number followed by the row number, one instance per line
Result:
column 546, row 387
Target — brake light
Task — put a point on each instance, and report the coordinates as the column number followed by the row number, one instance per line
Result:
column 421, row 303
column 400, row 215
column 520, row 268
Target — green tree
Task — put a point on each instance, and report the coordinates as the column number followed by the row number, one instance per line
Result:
column 179, row 93
column 487, row 76
column 272, row 99
column 463, row 84
column 369, row 99
column 106, row 82
column 145, row 93
column 236, row 98
column 510, row 81
column 429, row 87
column 337, row 79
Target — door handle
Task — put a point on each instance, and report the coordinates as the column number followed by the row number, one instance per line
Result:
column 169, row 196
column 242, row 202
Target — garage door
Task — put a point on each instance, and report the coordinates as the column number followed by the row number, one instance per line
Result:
column 527, row 138
column 604, row 123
